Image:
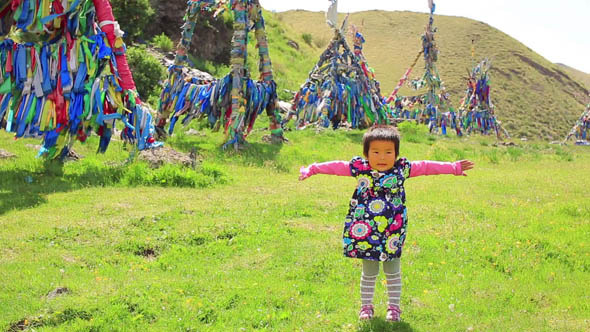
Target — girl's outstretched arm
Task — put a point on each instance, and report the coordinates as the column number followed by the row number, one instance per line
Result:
column 341, row 168
column 426, row 167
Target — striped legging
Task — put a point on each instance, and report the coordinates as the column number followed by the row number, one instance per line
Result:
column 393, row 276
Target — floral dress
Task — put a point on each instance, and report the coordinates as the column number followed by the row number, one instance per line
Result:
column 375, row 226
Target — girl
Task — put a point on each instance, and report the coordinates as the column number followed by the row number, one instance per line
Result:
column 375, row 227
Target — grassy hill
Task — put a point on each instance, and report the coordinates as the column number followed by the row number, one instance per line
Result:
column 576, row 74
column 534, row 97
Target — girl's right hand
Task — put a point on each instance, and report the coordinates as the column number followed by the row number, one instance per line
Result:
column 304, row 173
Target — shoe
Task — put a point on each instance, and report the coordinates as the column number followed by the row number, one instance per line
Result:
column 366, row 312
column 393, row 314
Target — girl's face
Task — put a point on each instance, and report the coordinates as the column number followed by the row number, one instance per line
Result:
column 382, row 155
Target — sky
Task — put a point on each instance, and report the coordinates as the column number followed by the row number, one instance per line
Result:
column 554, row 29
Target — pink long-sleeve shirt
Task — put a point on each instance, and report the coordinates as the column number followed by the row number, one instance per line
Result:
column 418, row 168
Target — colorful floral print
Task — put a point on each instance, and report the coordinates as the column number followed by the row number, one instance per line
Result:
column 359, row 212
column 393, row 244
column 377, row 206
column 388, row 181
column 377, row 219
column 396, row 223
column 360, row 230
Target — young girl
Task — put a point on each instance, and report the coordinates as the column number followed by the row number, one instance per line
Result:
column 375, row 227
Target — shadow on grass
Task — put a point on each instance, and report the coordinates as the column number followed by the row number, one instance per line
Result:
column 378, row 324
column 251, row 154
column 22, row 189
column 355, row 136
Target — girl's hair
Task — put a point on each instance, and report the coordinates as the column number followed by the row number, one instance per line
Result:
column 381, row 133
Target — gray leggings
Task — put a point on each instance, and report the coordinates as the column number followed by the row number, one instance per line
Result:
column 393, row 276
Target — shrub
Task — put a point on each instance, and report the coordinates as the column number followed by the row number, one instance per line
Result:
column 413, row 133
column 147, row 70
column 163, row 42
column 169, row 175
column 307, row 38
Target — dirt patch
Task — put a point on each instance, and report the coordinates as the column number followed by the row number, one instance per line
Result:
column 166, row 155
column 49, row 319
column 57, row 292
column 148, row 253
column 21, row 325
column 505, row 144
column 541, row 69
column 272, row 139
column 555, row 74
column 6, row 155
column 33, row 146
column 73, row 156
column 193, row 132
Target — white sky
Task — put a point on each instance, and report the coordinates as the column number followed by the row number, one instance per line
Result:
column 555, row 29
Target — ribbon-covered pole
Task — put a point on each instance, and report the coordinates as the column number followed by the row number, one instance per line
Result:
column 403, row 79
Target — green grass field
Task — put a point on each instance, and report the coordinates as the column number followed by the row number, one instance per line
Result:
column 504, row 249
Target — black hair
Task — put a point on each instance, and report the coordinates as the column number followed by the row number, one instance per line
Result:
column 381, row 133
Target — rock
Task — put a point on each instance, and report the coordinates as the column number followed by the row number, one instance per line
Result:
column 284, row 107
column 211, row 39
column 165, row 155
column 293, row 44
column 168, row 60
column 57, row 292
column 6, row 155
column 73, row 156
column 194, row 132
column 33, row 146
column 505, row 144
column 273, row 139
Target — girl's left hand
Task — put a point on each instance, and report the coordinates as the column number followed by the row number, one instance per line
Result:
column 466, row 165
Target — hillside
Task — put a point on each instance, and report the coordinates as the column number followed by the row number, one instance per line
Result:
column 576, row 74
column 533, row 96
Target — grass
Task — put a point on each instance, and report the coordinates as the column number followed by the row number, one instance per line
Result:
column 504, row 249
column 578, row 74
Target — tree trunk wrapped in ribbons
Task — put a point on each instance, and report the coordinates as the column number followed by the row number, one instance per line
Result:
column 341, row 90
column 476, row 110
column 232, row 102
column 581, row 129
column 436, row 104
column 64, row 75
